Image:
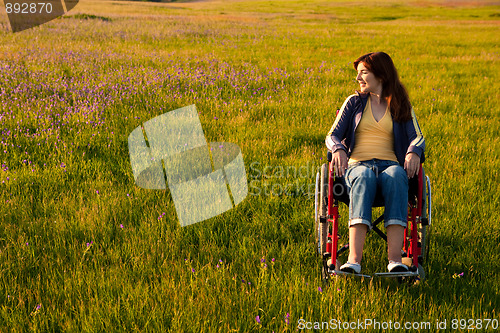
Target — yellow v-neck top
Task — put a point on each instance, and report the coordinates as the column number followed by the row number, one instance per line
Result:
column 373, row 139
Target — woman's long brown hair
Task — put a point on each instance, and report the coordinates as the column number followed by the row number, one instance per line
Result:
column 381, row 65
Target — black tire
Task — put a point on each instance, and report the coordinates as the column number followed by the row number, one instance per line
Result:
column 421, row 273
column 428, row 215
column 322, row 229
column 423, row 231
column 316, row 212
column 325, row 277
column 424, row 240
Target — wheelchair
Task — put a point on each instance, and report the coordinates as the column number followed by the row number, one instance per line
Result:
column 331, row 190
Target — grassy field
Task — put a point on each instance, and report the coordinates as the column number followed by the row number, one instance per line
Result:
column 83, row 249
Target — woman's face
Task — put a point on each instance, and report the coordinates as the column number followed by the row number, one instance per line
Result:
column 368, row 82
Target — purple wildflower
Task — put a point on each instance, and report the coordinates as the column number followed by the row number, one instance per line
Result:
column 257, row 319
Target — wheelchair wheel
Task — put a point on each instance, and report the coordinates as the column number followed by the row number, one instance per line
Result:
column 421, row 273
column 424, row 246
column 424, row 227
column 428, row 211
column 316, row 211
column 426, row 219
column 321, row 209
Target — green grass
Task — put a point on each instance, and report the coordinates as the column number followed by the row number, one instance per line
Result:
column 83, row 249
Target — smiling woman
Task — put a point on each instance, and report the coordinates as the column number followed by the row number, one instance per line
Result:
column 376, row 144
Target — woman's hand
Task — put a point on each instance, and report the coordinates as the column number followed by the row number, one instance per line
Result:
column 339, row 162
column 412, row 164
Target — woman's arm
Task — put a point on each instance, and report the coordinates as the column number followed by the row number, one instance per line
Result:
column 417, row 141
column 415, row 152
column 337, row 132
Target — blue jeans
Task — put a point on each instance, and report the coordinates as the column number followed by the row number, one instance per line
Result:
column 364, row 178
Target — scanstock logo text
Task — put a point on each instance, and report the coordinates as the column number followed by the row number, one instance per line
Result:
column 171, row 151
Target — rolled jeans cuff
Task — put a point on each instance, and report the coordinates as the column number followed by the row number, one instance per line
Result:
column 395, row 222
column 353, row 222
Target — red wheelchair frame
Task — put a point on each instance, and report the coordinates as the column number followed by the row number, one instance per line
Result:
column 415, row 249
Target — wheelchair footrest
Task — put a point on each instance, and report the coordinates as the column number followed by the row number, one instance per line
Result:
column 384, row 274
column 336, row 272
column 397, row 274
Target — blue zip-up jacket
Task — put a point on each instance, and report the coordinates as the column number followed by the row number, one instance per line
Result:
column 408, row 137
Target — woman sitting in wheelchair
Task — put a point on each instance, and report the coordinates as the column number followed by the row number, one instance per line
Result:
column 376, row 143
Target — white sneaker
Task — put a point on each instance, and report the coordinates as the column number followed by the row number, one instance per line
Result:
column 395, row 267
column 351, row 268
